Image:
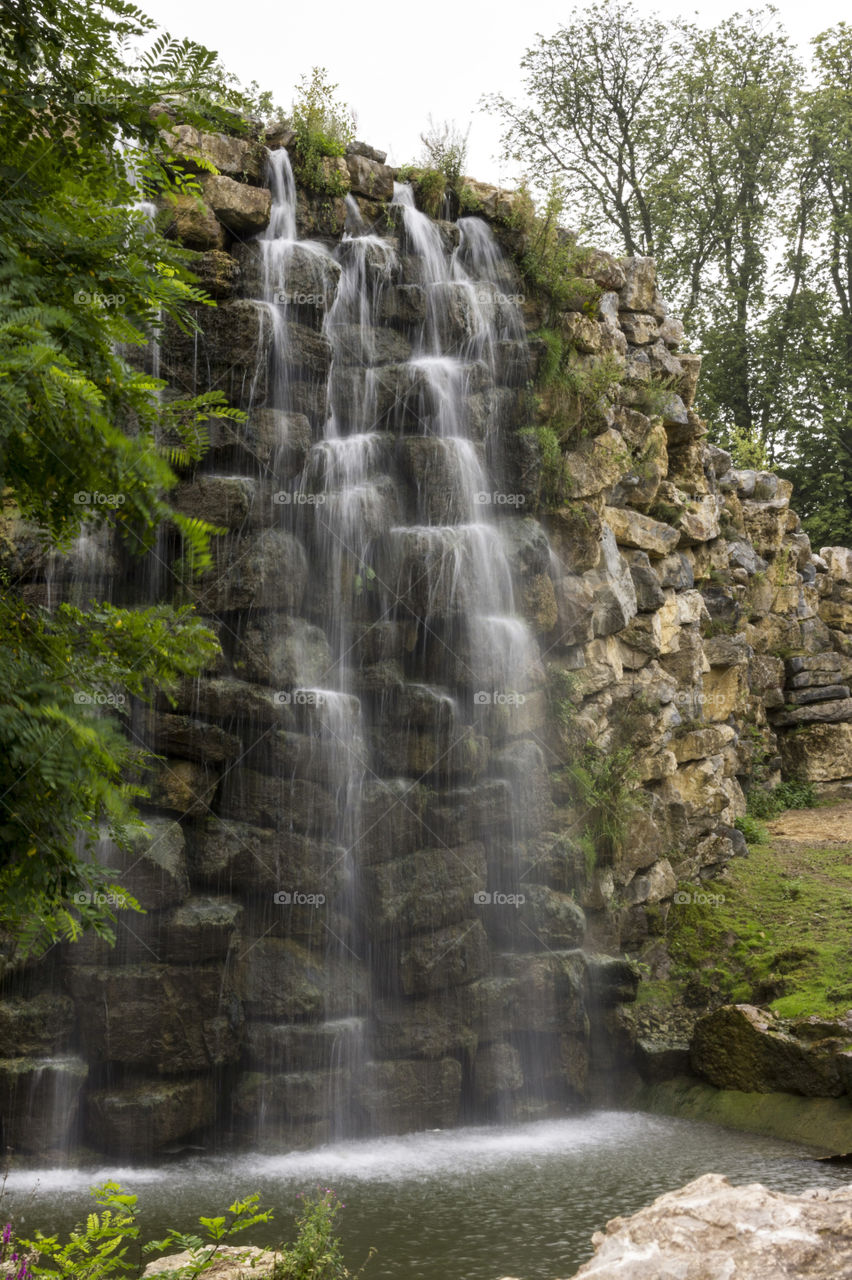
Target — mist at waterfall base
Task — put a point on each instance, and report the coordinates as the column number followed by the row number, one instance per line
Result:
column 463, row 1204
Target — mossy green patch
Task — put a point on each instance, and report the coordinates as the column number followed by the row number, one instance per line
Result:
column 775, row 932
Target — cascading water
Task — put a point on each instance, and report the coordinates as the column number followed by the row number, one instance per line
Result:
column 345, row 929
column 413, row 589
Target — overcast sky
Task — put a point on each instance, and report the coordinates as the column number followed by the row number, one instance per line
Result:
column 395, row 63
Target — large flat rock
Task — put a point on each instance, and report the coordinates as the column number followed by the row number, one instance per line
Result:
column 711, row 1230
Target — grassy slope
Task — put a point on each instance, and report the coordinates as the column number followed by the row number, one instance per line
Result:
column 782, row 937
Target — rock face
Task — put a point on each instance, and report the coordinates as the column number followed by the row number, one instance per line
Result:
column 741, row 1047
column 368, row 867
column 711, row 1230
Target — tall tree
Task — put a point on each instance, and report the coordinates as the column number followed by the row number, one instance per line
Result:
column 598, row 119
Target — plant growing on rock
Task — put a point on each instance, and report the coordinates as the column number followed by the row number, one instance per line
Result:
column 604, row 784
column 429, row 188
column 575, row 391
column 550, row 256
column 445, row 149
column 323, row 126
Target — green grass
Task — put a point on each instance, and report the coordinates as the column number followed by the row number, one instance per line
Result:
column 780, row 938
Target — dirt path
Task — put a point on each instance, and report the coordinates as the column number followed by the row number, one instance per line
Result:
column 815, row 826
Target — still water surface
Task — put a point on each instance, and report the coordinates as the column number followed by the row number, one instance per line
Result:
column 464, row 1204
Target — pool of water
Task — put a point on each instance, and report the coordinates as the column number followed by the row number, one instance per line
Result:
column 463, row 1204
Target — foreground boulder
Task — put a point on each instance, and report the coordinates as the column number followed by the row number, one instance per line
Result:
column 245, row 1262
column 710, row 1230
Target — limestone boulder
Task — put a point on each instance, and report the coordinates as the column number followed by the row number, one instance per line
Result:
column 598, row 463
column 232, row 1262
column 818, row 752
column 428, row 889
column 368, row 177
column 191, row 221
column 445, row 958
column 745, row 1231
column 614, row 595
column 241, row 208
column 632, row 529
column 640, row 277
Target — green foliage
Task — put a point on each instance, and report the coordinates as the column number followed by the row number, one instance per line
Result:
column 764, row 803
column 776, row 932
column 604, row 785
column 752, row 828
column 551, row 257
column 429, row 189
column 575, row 391
column 445, row 149
column 469, row 202
column 67, row 678
column 323, row 126
column 316, row 1253
column 625, row 112
column 83, row 279
column 105, row 1245
column 746, row 449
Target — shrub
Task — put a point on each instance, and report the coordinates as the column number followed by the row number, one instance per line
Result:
column 323, row 127
column 429, row 189
column 445, row 149
column 604, row 784
column 550, row 256
column 753, row 829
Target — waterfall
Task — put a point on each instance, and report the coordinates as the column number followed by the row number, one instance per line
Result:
column 412, row 587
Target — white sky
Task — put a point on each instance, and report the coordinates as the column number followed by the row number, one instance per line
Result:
column 396, row 63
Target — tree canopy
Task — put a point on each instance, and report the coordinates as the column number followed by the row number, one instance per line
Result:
column 721, row 153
